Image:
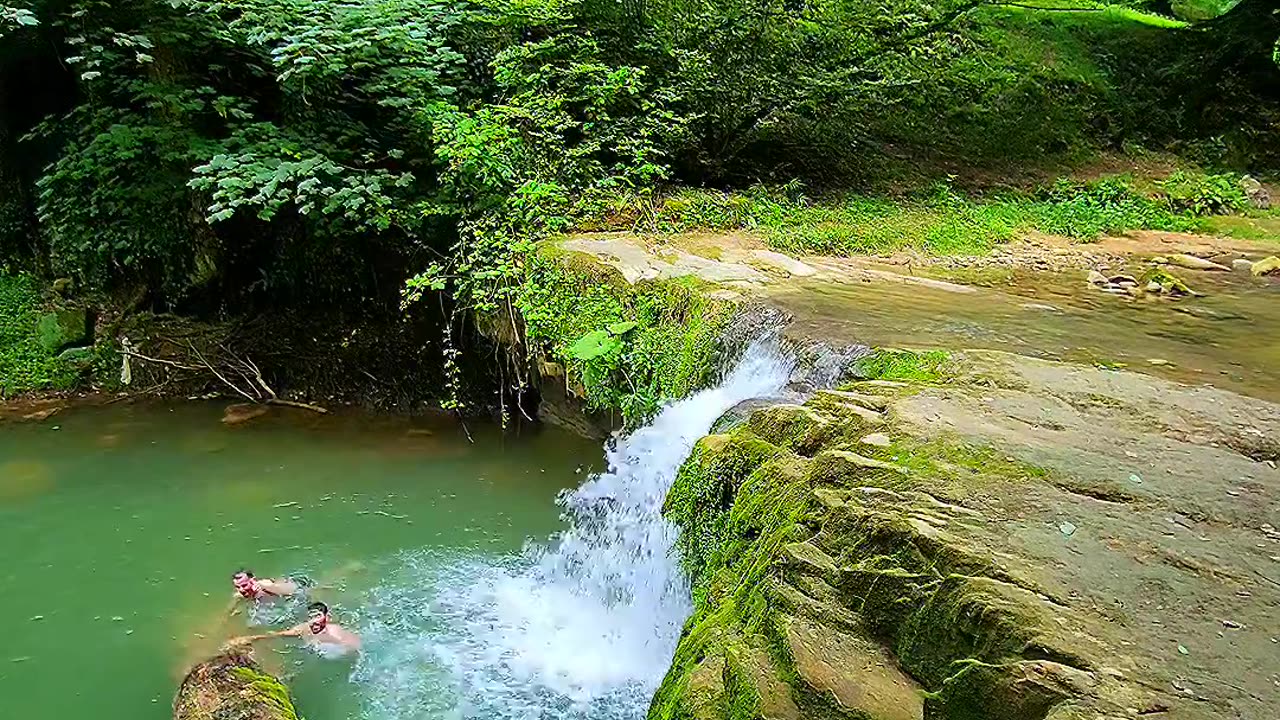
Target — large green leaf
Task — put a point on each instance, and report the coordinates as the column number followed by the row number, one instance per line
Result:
column 593, row 345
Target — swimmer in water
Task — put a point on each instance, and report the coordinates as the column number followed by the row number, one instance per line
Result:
column 318, row 631
column 255, row 589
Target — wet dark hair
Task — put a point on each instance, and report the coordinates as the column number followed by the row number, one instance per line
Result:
column 318, row 606
column 246, row 573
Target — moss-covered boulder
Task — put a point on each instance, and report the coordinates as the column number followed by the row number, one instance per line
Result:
column 838, row 579
column 63, row 329
column 231, row 686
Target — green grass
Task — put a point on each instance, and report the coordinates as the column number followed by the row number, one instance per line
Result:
column 936, row 221
column 24, row 363
column 1263, row 225
column 1101, row 9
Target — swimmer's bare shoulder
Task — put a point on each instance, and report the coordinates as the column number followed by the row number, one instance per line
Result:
column 283, row 587
column 343, row 636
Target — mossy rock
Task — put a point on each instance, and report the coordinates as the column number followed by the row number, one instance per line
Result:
column 756, row 686
column 1011, row 691
column 1157, row 279
column 850, row 469
column 231, row 686
column 80, row 358
column 796, row 427
column 63, row 329
column 830, row 584
column 849, row 674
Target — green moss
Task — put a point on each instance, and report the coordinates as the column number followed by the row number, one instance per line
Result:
column 1169, row 283
column 886, row 364
column 850, row 538
column 704, row 492
column 985, row 691
column 669, row 352
column 958, row 467
column 267, row 690
column 25, row 364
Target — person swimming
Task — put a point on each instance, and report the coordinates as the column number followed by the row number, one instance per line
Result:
column 254, row 589
column 319, row 631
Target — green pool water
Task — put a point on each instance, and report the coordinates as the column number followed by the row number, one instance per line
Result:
column 120, row 527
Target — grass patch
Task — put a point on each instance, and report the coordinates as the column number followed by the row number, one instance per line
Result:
column 1115, row 13
column 937, row 221
column 1261, row 225
column 905, row 365
column 24, row 363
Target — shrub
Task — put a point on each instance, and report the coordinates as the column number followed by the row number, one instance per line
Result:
column 1085, row 210
column 1201, row 194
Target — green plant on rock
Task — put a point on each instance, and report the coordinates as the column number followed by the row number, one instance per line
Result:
column 24, row 363
column 631, row 348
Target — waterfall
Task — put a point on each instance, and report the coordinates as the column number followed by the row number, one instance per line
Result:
column 583, row 626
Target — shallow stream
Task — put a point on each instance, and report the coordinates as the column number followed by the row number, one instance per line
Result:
column 1230, row 337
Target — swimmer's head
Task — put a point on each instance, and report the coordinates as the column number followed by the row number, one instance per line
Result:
column 244, row 582
column 317, row 616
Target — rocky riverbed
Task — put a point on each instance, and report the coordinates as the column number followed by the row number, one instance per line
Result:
column 1076, row 520
column 1012, row 539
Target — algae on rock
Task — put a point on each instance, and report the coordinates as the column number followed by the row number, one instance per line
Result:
column 836, row 579
column 231, row 686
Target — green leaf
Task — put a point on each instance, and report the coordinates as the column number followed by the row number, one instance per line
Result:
column 593, row 345
column 622, row 328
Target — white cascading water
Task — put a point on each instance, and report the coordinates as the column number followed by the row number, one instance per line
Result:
column 583, row 627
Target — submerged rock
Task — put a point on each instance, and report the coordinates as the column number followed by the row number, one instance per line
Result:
column 231, row 686
column 242, row 413
column 1190, row 262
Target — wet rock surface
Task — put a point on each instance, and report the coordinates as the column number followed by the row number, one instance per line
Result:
column 231, row 686
column 1036, row 540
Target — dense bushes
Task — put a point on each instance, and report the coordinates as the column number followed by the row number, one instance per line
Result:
column 222, row 158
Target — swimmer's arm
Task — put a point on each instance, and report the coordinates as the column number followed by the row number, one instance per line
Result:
column 283, row 588
column 295, row 631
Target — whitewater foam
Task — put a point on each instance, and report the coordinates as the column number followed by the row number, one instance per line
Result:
column 582, row 626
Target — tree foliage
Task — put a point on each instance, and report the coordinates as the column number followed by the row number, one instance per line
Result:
column 226, row 156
